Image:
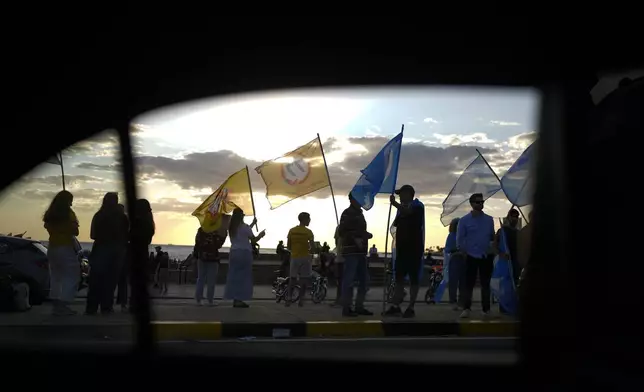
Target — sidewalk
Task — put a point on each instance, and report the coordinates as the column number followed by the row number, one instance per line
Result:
column 264, row 292
column 183, row 320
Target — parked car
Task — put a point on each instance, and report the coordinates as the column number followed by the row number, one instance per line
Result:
column 25, row 260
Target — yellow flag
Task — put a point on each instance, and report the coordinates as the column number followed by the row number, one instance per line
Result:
column 295, row 174
column 234, row 192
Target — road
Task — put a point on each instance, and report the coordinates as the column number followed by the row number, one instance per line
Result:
column 434, row 350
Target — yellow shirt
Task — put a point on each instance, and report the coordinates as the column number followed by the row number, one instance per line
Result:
column 299, row 239
column 63, row 233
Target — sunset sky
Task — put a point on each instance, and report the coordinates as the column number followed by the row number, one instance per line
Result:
column 185, row 152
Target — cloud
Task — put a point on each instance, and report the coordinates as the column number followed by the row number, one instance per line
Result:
column 105, row 144
column 456, row 140
column 430, row 169
column 522, row 140
column 174, row 205
column 113, row 167
column 430, row 120
column 196, row 170
column 73, row 180
column 505, row 123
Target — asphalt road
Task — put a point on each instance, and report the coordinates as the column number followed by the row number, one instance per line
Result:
column 435, row 350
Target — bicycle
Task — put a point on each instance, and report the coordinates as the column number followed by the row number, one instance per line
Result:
column 390, row 288
column 318, row 287
column 435, row 279
column 280, row 288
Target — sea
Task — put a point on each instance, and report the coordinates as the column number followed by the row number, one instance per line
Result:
column 181, row 252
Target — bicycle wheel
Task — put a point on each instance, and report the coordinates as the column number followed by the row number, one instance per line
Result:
column 319, row 294
column 295, row 295
column 429, row 294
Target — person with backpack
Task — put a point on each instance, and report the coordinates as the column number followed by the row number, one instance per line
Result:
column 206, row 251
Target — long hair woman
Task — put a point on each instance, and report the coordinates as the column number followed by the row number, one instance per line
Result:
column 61, row 223
column 109, row 232
column 239, row 282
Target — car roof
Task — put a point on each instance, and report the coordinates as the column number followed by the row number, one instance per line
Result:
column 16, row 240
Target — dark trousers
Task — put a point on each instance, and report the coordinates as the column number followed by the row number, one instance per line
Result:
column 122, row 290
column 483, row 267
column 105, row 263
column 355, row 269
column 339, row 270
column 456, row 278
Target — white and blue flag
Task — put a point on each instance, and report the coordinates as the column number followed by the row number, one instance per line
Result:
column 502, row 282
column 380, row 175
column 476, row 178
column 517, row 182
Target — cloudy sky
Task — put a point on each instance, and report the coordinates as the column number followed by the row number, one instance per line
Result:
column 185, row 152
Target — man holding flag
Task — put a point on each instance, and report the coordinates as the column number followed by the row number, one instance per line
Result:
column 410, row 241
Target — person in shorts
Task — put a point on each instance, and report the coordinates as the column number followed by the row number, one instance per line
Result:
column 410, row 247
column 300, row 243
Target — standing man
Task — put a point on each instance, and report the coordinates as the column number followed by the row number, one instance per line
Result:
column 373, row 253
column 354, row 237
column 410, row 247
column 473, row 236
column 300, row 243
column 207, row 247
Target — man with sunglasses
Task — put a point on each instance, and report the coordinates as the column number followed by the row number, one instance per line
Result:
column 473, row 236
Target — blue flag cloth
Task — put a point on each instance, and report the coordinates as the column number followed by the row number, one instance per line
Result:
column 392, row 230
column 380, row 175
column 517, row 182
column 502, row 283
column 476, row 178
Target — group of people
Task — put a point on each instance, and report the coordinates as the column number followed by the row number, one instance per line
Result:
column 470, row 249
column 111, row 230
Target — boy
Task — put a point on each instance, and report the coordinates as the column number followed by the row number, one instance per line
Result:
column 300, row 243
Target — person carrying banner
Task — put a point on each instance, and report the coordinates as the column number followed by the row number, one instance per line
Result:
column 409, row 248
column 473, row 236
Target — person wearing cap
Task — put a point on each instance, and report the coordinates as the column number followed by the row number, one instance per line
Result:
column 353, row 239
column 473, row 236
column 410, row 248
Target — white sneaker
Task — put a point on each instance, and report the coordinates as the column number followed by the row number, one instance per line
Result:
column 456, row 308
column 487, row 315
column 465, row 314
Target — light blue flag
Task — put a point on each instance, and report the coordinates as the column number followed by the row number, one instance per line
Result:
column 517, row 182
column 476, row 178
column 380, row 175
column 502, row 283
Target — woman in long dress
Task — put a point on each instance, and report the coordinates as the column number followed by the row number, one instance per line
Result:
column 64, row 267
column 239, row 282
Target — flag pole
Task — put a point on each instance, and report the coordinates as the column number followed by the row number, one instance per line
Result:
column 252, row 200
column 62, row 169
column 499, row 180
column 384, row 289
column 335, row 207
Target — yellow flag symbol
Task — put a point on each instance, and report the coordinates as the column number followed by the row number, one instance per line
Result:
column 295, row 174
column 234, row 192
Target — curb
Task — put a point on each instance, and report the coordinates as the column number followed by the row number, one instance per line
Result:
column 194, row 331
